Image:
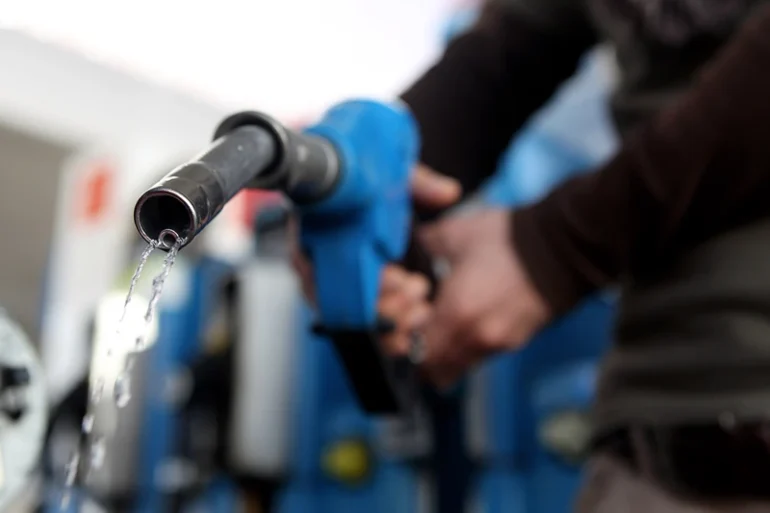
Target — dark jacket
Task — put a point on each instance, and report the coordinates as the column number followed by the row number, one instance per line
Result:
column 686, row 198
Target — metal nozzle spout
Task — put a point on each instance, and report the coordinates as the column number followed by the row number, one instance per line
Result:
column 251, row 150
column 188, row 198
column 165, row 216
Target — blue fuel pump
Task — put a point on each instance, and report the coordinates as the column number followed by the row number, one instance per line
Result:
column 147, row 464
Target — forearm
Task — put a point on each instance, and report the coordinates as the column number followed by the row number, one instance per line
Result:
column 700, row 168
column 485, row 87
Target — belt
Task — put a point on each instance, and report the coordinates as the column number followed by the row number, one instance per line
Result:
column 700, row 461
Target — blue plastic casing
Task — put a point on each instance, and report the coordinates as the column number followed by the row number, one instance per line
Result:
column 365, row 223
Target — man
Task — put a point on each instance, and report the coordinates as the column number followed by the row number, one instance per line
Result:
column 679, row 219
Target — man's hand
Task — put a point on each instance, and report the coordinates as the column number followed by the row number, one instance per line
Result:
column 486, row 303
column 403, row 301
column 429, row 190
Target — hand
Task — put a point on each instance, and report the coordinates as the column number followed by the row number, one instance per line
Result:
column 429, row 189
column 486, row 303
column 403, row 301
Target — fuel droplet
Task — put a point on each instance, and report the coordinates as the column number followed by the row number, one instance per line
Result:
column 71, row 473
column 97, row 453
column 122, row 390
column 72, row 470
column 97, row 391
column 88, row 423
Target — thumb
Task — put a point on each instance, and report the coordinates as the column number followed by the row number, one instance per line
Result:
column 434, row 190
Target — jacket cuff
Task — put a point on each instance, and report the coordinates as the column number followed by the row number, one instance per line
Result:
column 560, row 284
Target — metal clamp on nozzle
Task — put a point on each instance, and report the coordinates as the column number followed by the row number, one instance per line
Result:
column 250, row 150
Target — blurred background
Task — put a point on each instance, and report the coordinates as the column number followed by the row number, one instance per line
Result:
column 236, row 407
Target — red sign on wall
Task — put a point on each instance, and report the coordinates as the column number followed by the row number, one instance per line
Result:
column 95, row 192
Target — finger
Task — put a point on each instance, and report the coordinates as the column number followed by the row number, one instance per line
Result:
column 408, row 317
column 411, row 321
column 446, row 367
column 416, row 287
column 411, row 290
column 448, row 334
column 439, row 363
column 392, row 306
column 396, row 304
column 392, row 279
column 396, row 280
column 440, row 330
column 418, row 317
column 504, row 330
column 434, row 190
column 489, row 334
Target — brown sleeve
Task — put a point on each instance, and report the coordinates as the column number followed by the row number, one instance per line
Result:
column 491, row 79
column 702, row 167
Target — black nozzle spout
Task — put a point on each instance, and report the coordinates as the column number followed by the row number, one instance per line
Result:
column 251, row 150
column 165, row 215
column 184, row 201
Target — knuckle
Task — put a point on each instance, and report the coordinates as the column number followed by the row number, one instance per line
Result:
column 423, row 283
column 419, row 315
column 491, row 336
column 389, row 306
column 418, row 286
column 390, row 272
column 464, row 310
column 392, row 278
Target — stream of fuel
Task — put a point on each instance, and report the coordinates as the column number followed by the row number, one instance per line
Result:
column 122, row 386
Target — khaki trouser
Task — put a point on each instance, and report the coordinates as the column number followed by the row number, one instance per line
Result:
column 611, row 487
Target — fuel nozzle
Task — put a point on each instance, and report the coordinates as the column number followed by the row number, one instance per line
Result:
column 250, row 150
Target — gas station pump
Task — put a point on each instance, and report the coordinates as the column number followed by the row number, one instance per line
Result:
column 355, row 418
column 348, row 179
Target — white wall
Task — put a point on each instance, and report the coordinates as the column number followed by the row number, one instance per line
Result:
column 288, row 57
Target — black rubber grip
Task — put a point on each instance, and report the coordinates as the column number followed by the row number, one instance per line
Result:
column 383, row 385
